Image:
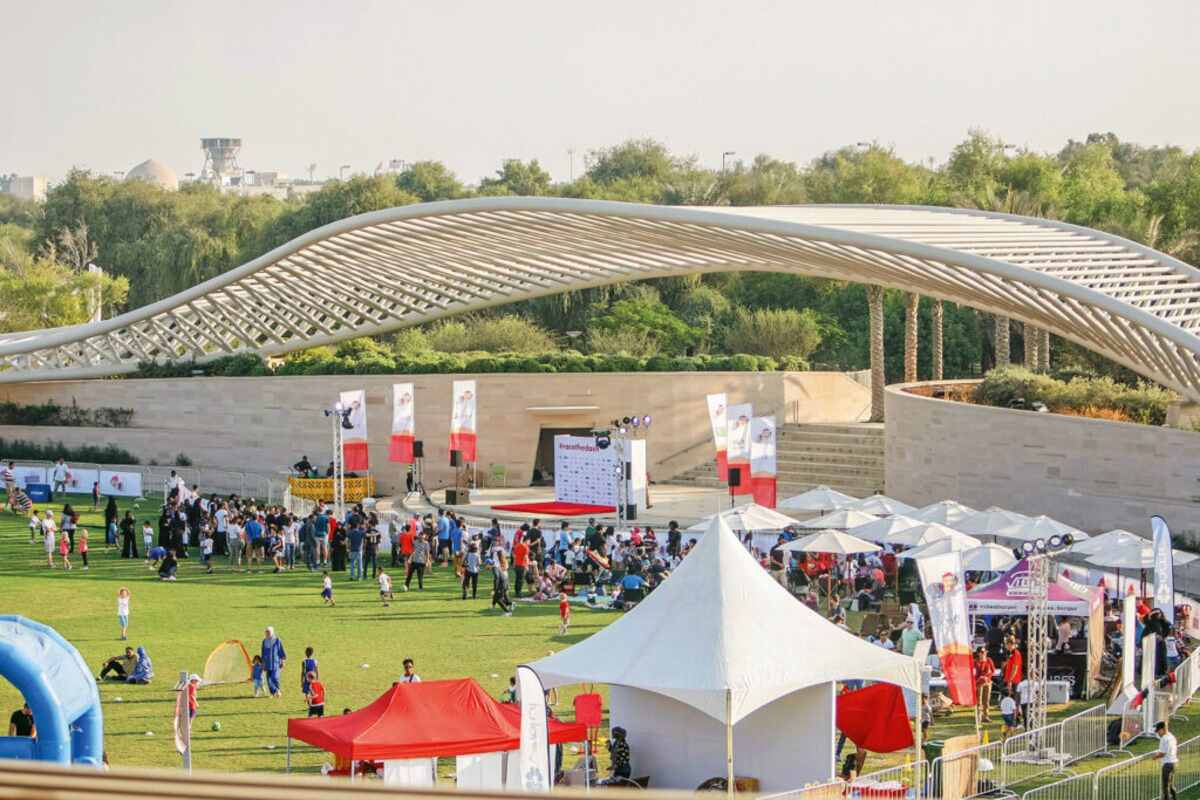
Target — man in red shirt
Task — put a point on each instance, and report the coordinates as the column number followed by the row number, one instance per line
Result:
column 520, row 563
column 1013, row 668
column 984, row 670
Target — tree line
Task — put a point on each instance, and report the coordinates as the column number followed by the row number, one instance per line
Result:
column 153, row 243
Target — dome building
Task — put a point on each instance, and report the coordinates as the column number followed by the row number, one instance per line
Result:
column 155, row 172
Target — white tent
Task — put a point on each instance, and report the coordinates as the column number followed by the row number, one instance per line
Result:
column 1041, row 527
column 831, row 541
column 839, row 520
column 881, row 529
column 927, row 533
column 1135, row 555
column 748, row 517
column 1098, row 544
column 817, row 500
column 988, row 558
column 989, row 522
column 721, row 656
column 881, row 505
column 949, row 544
column 945, row 512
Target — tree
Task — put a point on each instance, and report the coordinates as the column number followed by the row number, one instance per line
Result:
column 912, row 300
column 878, row 375
column 44, row 293
column 773, row 332
column 515, row 177
column 635, row 158
column 766, row 182
column 653, row 319
column 503, row 334
column 1093, row 190
column 429, row 181
column 873, row 175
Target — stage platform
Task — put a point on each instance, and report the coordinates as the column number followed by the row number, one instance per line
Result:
column 685, row 504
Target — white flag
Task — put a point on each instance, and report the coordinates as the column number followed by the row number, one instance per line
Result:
column 1164, row 569
column 535, row 744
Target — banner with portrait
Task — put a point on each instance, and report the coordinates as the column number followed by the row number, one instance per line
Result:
column 763, row 466
column 536, row 775
column 1164, row 569
column 716, row 417
column 400, row 448
column 738, row 432
column 462, row 420
column 354, row 431
column 946, row 597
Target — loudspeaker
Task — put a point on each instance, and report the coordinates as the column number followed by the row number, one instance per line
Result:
column 418, row 449
column 735, row 477
column 458, row 497
column 628, row 471
column 630, row 512
column 455, row 458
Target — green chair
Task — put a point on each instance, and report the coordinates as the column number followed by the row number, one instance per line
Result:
column 498, row 476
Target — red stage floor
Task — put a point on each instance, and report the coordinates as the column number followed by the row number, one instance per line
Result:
column 556, row 509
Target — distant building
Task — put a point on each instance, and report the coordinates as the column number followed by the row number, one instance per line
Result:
column 154, row 172
column 28, row 187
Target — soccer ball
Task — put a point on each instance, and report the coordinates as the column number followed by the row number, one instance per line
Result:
column 216, row 726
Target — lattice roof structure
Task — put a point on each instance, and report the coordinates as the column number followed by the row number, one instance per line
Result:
column 385, row 270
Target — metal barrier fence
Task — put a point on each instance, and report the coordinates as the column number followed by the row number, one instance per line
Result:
column 1083, row 734
column 974, row 772
column 1076, row 787
column 263, row 487
column 903, row 782
column 830, row 790
column 1031, row 754
column 1187, row 774
column 1135, row 779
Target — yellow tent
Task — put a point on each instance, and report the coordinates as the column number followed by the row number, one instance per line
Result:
column 227, row 663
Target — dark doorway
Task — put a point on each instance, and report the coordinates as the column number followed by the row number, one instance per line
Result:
column 543, row 459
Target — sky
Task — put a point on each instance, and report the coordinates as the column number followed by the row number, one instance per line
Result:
column 106, row 85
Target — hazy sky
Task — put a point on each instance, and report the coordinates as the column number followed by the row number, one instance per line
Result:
column 105, row 85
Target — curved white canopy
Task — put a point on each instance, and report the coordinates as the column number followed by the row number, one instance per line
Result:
column 817, row 500
column 943, row 512
column 831, row 541
column 721, row 623
column 880, row 505
column 385, row 270
column 748, row 517
column 881, row 530
column 839, row 520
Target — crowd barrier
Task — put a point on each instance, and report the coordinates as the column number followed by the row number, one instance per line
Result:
column 970, row 773
column 1076, row 787
column 903, row 782
column 830, row 790
column 1083, row 734
column 1138, row 778
column 1031, row 754
column 153, row 479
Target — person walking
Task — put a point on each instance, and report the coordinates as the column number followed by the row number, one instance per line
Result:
column 110, row 521
column 500, row 584
column 128, row 536
column 984, row 669
column 273, row 659
column 471, row 563
column 520, row 554
column 417, row 561
column 59, row 475
column 1168, row 753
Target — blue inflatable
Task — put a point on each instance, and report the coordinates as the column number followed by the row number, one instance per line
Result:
column 60, row 690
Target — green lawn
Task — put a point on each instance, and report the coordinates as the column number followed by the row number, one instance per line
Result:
column 358, row 643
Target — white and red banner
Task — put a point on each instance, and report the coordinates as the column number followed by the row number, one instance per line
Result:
column 763, row 465
column 738, row 433
column 716, row 416
column 462, row 420
column 403, row 423
column 946, row 597
column 535, row 736
column 354, row 438
column 1164, row 569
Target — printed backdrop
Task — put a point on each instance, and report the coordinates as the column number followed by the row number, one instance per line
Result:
column 583, row 473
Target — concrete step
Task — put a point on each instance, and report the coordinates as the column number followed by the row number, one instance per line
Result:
column 858, row 428
column 805, row 440
column 811, row 458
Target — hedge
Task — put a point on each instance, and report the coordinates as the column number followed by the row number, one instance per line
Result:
column 323, row 362
column 1007, row 386
column 72, row 416
column 20, row 449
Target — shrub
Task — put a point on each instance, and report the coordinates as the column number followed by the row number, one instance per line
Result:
column 72, row 416
column 775, row 332
column 1144, row 403
column 622, row 340
column 20, row 449
column 506, row 334
column 182, row 460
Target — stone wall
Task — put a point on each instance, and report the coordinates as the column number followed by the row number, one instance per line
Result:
column 264, row 424
column 1093, row 474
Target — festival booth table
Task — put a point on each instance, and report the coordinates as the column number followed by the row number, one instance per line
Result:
column 413, row 724
column 721, row 662
column 1009, row 595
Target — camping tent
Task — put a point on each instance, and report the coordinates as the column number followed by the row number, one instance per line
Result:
column 425, row 720
column 227, row 663
column 721, row 656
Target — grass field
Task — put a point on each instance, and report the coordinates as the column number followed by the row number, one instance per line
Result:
column 359, row 644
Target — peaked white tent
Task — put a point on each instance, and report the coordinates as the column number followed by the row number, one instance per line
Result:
column 944, row 512
column 882, row 529
column 839, row 520
column 817, row 500
column 880, row 505
column 721, row 661
column 831, row 541
column 748, row 517
column 1041, row 527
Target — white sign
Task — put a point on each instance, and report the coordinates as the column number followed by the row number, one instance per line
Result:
column 739, row 433
column 716, row 417
column 79, row 481
column 120, row 484
column 1164, row 569
column 27, row 475
column 584, row 473
column 535, row 737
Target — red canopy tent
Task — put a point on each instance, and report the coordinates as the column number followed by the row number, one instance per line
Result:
column 425, row 720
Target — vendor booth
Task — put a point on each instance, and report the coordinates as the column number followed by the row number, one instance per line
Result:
column 402, row 734
column 721, row 671
column 1008, row 595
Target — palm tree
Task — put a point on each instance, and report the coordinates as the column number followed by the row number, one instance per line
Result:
column 939, row 313
column 910, row 337
column 1044, row 350
column 875, row 305
column 1032, row 339
column 1003, row 346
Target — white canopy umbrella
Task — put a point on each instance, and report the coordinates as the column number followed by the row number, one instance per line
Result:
column 1041, row 527
column 881, row 529
column 928, row 533
column 819, row 499
column 750, row 517
column 840, row 520
column 1133, row 555
column 944, row 512
column 989, row 522
column 988, row 558
column 950, row 544
column 880, row 505
column 831, row 541
column 1114, row 538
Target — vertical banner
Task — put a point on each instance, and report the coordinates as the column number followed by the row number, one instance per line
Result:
column 462, row 420
column 716, row 417
column 1164, row 569
column 738, row 444
column 183, row 724
column 535, row 738
column 762, row 460
column 1128, row 639
column 354, row 436
column 403, row 424
column 945, row 594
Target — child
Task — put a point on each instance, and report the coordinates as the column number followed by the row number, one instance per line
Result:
column 206, row 550
column 510, row 694
column 147, row 537
column 154, row 555
column 307, row 670
column 327, row 589
column 385, row 588
column 256, row 672
column 316, row 696
column 35, row 526
column 49, row 537
column 64, row 550
column 82, row 535
column 564, row 613
column 1008, row 710
column 95, row 495
column 123, row 597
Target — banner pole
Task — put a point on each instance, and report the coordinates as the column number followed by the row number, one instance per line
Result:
column 729, row 743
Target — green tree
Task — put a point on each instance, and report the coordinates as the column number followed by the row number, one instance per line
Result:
column 652, row 318
column 429, row 181
column 872, row 175
column 44, row 293
column 515, row 177
column 774, row 332
column 766, row 182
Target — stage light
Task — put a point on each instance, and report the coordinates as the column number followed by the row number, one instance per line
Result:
column 622, row 431
column 1068, row 540
column 635, row 421
column 1018, row 553
column 616, row 423
column 346, row 423
column 646, row 421
column 1028, row 548
column 1040, row 545
column 603, row 440
column 1055, row 542
column 625, row 420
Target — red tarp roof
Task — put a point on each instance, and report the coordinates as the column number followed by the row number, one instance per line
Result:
column 422, row 720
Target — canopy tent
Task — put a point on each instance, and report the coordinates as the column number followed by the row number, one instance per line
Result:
column 748, row 517
column 882, row 529
column 229, row 662
column 989, row 522
column 945, row 512
column 839, row 520
column 1137, row 554
column 695, row 670
column 927, row 533
column 831, row 541
column 425, row 720
column 988, row 558
column 1031, row 529
column 880, row 505
column 819, row 500
column 1098, row 544
column 950, row 544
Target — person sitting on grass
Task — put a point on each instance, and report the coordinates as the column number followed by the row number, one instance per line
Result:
column 121, row 667
column 168, row 567
column 143, row 671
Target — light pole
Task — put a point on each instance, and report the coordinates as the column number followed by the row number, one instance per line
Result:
column 337, row 418
column 725, row 155
column 571, row 161
column 342, row 171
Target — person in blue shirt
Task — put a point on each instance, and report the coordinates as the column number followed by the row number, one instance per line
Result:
column 273, row 659
column 633, row 582
column 564, row 541
column 355, row 537
column 456, row 534
column 321, row 525
column 254, row 536
column 443, row 535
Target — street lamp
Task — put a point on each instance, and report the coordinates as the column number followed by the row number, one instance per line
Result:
column 342, row 171
column 725, row 155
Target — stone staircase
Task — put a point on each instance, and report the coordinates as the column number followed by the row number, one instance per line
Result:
column 845, row 456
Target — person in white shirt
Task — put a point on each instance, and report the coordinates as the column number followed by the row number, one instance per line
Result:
column 147, row 537
column 409, row 675
column 1023, row 694
column 1008, row 710
column 10, row 485
column 60, row 475
column 35, row 526
column 49, row 536
column 385, row 587
column 1168, row 753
